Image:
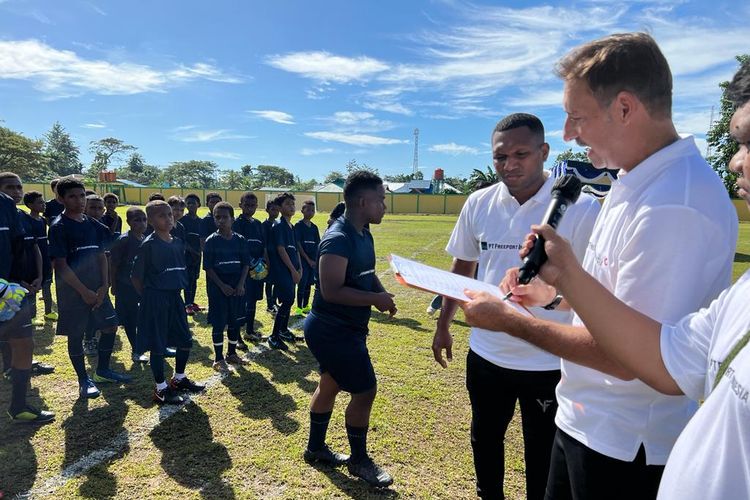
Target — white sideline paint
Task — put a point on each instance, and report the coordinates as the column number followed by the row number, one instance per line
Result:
column 152, row 420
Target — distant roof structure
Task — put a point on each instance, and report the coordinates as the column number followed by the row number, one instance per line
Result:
column 130, row 183
column 328, row 188
column 414, row 186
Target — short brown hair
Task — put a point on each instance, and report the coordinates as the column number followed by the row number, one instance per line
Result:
column 630, row 62
column 176, row 201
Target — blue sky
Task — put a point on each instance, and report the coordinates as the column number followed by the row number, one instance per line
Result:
column 311, row 85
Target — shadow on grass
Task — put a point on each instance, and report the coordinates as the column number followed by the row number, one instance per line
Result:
column 410, row 323
column 18, row 461
column 741, row 257
column 351, row 486
column 294, row 366
column 190, row 455
column 87, row 430
column 260, row 400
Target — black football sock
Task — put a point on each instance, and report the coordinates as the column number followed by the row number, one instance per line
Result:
column 357, row 442
column 306, row 299
column 7, row 354
column 217, row 336
column 318, row 430
column 47, row 296
column 20, row 380
column 180, row 361
column 75, row 352
column 130, row 332
column 106, row 344
column 250, row 316
column 157, row 367
column 233, row 334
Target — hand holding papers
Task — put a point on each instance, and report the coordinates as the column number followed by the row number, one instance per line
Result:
column 445, row 283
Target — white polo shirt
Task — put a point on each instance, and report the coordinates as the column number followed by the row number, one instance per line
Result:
column 711, row 458
column 490, row 230
column 663, row 244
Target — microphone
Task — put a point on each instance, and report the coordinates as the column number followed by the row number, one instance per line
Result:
column 565, row 192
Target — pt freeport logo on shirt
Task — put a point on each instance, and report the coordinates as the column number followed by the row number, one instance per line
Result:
column 601, row 260
column 737, row 389
column 488, row 245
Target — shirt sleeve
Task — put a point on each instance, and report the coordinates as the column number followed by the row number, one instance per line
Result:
column 335, row 243
column 139, row 264
column 463, row 243
column 57, row 247
column 685, row 348
column 209, row 255
column 117, row 251
column 665, row 281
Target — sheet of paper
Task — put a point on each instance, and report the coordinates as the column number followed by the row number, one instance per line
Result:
column 446, row 283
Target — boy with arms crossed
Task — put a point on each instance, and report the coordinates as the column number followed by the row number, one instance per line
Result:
column 159, row 276
column 252, row 229
column 36, row 204
column 308, row 239
column 285, row 271
column 225, row 259
column 192, row 224
column 337, row 327
column 127, row 299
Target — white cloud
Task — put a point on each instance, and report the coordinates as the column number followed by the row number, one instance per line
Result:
column 389, row 107
column 326, row 67
column 453, row 149
column 358, row 121
column 537, row 98
column 355, row 139
column 193, row 135
column 223, row 155
column 694, row 122
column 65, row 73
column 94, row 125
column 275, row 116
column 314, row 151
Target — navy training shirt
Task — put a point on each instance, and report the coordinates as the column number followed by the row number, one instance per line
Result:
column 208, row 225
column 11, row 234
column 226, row 257
column 282, row 234
column 80, row 244
column 160, row 265
column 39, row 228
column 178, row 231
column 25, row 269
column 122, row 256
column 108, row 220
column 359, row 249
column 52, row 209
column 252, row 230
column 308, row 237
column 192, row 227
column 267, row 226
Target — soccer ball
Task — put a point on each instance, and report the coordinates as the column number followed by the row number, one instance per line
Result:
column 258, row 270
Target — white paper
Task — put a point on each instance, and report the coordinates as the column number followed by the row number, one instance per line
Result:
column 442, row 282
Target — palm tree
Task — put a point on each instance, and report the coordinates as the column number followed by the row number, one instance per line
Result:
column 479, row 179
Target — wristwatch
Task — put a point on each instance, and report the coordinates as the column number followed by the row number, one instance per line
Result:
column 555, row 302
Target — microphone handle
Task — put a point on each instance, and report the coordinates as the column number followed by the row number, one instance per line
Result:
column 537, row 256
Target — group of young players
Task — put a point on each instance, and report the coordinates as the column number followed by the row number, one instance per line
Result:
column 152, row 271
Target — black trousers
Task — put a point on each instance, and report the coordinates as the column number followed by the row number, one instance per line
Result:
column 578, row 472
column 493, row 392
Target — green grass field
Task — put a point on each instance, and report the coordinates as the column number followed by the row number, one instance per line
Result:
column 244, row 437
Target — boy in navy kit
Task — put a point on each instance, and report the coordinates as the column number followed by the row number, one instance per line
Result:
column 110, row 218
column 17, row 332
column 252, row 230
column 192, row 224
column 177, row 205
column 95, row 210
column 159, row 276
column 53, row 207
column 272, row 209
column 76, row 245
column 36, row 205
column 336, row 329
column 208, row 225
column 225, row 259
column 127, row 299
column 308, row 239
column 286, row 271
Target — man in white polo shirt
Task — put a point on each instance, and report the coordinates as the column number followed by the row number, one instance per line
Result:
column 663, row 244
column 501, row 370
column 705, row 355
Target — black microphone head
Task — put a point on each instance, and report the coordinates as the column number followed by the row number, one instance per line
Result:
column 567, row 187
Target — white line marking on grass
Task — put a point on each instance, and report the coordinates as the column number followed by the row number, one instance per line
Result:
column 152, row 420
column 121, row 441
